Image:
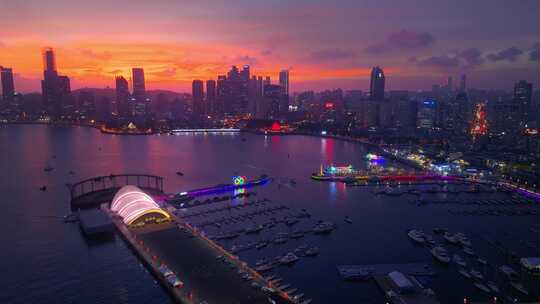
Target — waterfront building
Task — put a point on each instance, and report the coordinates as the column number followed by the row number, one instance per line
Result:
column 8, row 86
column 377, row 83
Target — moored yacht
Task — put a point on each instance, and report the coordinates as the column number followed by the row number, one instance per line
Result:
column 288, row 259
column 417, row 236
column 440, row 254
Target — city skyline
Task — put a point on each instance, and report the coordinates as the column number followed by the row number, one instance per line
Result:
column 416, row 44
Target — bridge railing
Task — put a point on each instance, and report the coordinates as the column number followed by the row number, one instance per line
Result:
column 101, row 183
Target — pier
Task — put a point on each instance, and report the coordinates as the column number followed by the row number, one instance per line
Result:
column 92, row 192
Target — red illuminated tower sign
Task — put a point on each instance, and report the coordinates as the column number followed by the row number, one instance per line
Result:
column 479, row 123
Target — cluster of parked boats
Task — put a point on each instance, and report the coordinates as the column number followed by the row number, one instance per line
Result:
column 437, row 188
column 470, row 266
column 271, row 283
column 290, row 258
column 514, row 201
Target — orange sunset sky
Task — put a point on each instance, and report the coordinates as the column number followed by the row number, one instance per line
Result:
column 325, row 44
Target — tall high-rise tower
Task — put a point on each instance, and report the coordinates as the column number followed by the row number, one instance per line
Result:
column 211, row 96
column 122, row 96
column 139, row 88
column 377, row 82
column 8, row 86
column 523, row 97
column 197, row 89
column 284, row 82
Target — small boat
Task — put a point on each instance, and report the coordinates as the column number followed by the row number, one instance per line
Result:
column 264, row 268
column 508, row 272
column 463, row 240
column 276, row 281
column 440, row 254
column 290, row 291
column 459, row 260
column 43, row 188
column 261, row 245
column 494, row 288
column 306, row 301
column 323, row 227
column 288, row 259
column 280, row 240
column 297, row 297
column 476, row 274
column 450, row 238
column 255, row 229
column 417, row 236
column 312, row 251
column 179, row 173
column 482, row 261
column 348, row 220
column 519, row 287
column 468, row 251
column 48, row 168
column 70, row 218
column 297, row 235
column 482, row 287
column 464, row 273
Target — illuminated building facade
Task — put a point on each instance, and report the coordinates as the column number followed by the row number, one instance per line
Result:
column 427, row 111
column 479, row 123
column 377, row 83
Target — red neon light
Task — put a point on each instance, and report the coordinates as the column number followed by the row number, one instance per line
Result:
column 329, row 105
column 276, row 126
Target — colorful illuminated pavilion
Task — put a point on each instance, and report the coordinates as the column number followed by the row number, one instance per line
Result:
column 135, row 206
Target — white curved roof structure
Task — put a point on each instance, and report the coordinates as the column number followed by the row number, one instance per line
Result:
column 131, row 203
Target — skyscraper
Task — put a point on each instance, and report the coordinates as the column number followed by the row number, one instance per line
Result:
column 523, row 97
column 376, row 87
column 284, row 82
column 211, row 96
column 55, row 88
column 139, row 88
column 122, row 96
column 197, row 88
column 8, row 86
column 49, row 84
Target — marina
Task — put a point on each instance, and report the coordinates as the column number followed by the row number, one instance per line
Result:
column 307, row 219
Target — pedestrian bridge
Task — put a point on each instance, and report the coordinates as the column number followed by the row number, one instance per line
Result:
column 92, row 192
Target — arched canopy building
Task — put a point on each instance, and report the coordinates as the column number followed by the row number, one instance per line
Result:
column 135, row 206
